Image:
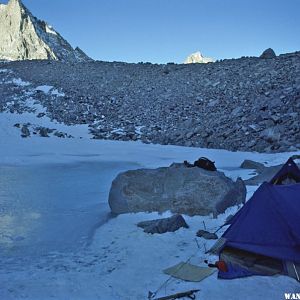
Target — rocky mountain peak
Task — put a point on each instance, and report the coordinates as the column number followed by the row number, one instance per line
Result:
column 197, row 57
column 14, row 2
column 23, row 36
column 15, row 9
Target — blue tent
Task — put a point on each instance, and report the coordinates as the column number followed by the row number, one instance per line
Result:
column 264, row 236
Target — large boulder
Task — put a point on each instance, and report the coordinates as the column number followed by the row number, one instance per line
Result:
column 191, row 191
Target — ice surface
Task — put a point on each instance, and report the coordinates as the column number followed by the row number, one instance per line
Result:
column 54, row 207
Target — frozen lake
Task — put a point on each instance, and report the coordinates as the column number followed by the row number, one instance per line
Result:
column 54, row 207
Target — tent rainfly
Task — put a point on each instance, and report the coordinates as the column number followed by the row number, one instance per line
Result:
column 264, row 236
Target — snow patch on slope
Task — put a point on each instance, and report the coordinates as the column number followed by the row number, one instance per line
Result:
column 19, row 82
column 31, row 113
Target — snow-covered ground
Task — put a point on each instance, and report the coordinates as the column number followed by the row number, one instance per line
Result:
column 49, row 192
column 122, row 262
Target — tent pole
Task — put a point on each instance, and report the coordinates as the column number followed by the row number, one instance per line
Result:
column 296, row 272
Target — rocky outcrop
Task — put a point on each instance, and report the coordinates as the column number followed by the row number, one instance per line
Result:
column 191, row 191
column 198, row 58
column 207, row 235
column 22, row 37
column 268, row 53
column 25, row 131
column 251, row 164
column 163, row 225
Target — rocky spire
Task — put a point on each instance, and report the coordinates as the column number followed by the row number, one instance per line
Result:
column 22, row 36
